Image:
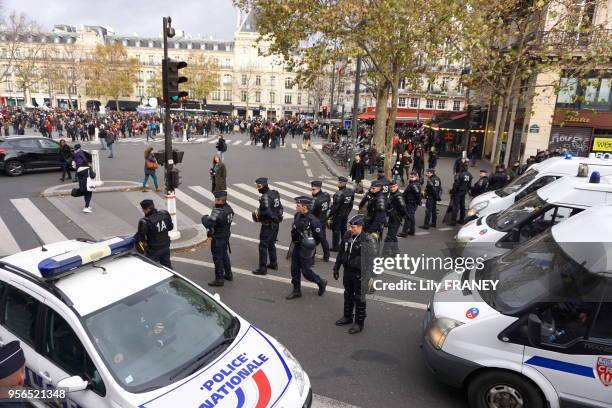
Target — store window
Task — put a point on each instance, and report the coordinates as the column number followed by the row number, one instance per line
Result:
column 456, row 105
column 401, row 102
column 414, row 102
column 429, row 104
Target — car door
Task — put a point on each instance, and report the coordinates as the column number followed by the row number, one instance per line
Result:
column 65, row 356
column 536, row 185
column 50, row 153
column 28, row 152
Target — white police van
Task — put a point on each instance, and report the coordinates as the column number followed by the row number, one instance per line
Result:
column 538, row 175
column 495, row 234
column 117, row 330
column 543, row 338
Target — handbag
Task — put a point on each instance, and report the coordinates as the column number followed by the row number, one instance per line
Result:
column 75, row 192
column 91, row 185
column 151, row 165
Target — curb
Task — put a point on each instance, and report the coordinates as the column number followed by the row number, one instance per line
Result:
column 60, row 189
column 194, row 243
column 329, row 166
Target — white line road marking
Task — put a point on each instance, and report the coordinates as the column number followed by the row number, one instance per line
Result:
column 291, row 186
column 237, row 210
column 287, row 205
column 445, row 229
column 293, row 146
column 309, row 173
column 44, row 228
column 237, row 142
column 305, row 163
column 191, row 202
column 8, row 245
column 421, row 233
column 213, row 141
column 319, row 401
column 302, row 156
column 332, row 289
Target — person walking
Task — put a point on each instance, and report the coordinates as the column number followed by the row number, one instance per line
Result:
column 66, row 158
column 110, row 140
column 357, row 173
column 150, row 169
column 85, row 176
column 320, row 209
column 270, row 215
column 218, row 174
column 218, row 224
column 221, row 147
column 102, row 136
column 152, row 239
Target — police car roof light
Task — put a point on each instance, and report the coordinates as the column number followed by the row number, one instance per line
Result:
column 595, row 177
column 583, row 170
column 63, row 264
column 568, row 156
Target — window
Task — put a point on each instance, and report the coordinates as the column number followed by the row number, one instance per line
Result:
column 288, row 99
column 257, row 96
column 26, row 144
column 401, row 102
column 72, row 89
column 140, row 76
column 243, row 79
column 414, row 102
column 258, row 80
column 216, row 95
column 48, row 144
column 20, row 313
column 299, row 99
column 151, row 59
column 602, row 329
column 227, row 95
column 272, row 97
column 63, row 347
column 288, row 83
column 444, row 84
column 429, row 104
column 228, row 64
column 429, row 86
column 442, row 104
column 140, row 90
column 227, row 79
column 150, row 75
column 456, row 105
column 272, row 80
column 243, row 96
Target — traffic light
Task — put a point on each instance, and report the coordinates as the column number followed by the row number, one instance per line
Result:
column 172, row 79
column 174, row 178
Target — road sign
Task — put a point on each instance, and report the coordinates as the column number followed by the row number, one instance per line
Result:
column 347, row 124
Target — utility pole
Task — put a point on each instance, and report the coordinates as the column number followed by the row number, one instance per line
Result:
column 356, row 98
column 331, row 93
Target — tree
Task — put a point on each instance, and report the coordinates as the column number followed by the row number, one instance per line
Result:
column 154, row 85
column 203, row 77
column 110, row 72
column 71, row 74
column 16, row 29
column 26, row 69
column 50, row 71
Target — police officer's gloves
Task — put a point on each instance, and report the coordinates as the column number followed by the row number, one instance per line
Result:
column 255, row 215
column 375, row 235
column 329, row 222
column 336, row 274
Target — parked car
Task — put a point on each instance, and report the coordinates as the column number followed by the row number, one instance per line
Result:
column 21, row 153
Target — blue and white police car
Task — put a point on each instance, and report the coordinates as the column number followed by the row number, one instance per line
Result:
column 543, row 337
column 116, row 330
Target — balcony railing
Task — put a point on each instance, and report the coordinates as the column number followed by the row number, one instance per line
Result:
column 572, row 39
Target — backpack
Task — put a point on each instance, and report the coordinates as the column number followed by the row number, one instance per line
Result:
column 277, row 206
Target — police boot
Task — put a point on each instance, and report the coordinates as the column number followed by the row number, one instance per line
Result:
column 272, row 266
column 229, row 276
column 259, row 271
column 424, row 226
column 294, row 294
column 344, row 320
column 322, row 285
column 216, row 283
column 402, row 234
column 356, row 328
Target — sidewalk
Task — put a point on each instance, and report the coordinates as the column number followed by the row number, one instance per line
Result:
column 116, row 211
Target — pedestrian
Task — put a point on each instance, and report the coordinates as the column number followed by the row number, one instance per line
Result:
column 482, row 185
column 432, row 160
column 12, row 372
column 515, row 170
column 474, row 154
column 418, row 161
column 342, row 204
column 91, row 131
column 320, row 209
column 372, row 159
column 102, row 136
column 66, row 158
column 218, row 225
column 150, row 169
column 461, row 185
column 270, row 215
column 357, row 173
column 305, row 236
column 218, row 174
column 221, row 147
column 152, row 239
column 356, row 255
column 412, row 197
column 397, row 213
column 110, row 140
column 84, row 175
column 433, row 194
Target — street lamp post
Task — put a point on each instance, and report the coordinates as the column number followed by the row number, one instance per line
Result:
column 356, row 98
column 466, row 133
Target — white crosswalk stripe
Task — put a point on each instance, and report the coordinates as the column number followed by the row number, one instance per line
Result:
column 8, row 245
column 286, row 204
column 237, row 142
column 237, row 210
column 44, row 228
column 213, row 141
column 197, row 206
column 293, row 146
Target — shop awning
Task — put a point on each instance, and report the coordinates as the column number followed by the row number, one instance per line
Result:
column 406, row 114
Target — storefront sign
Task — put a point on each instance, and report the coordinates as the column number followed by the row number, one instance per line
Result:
column 534, row 129
column 602, row 144
column 577, row 119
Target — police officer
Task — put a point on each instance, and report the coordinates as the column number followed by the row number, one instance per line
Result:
column 305, row 236
column 356, row 254
column 320, row 209
column 12, row 372
column 461, row 185
column 269, row 214
column 499, row 179
column 433, row 194
column 376, row 210
column 152, row 237
column 397, row 212
column 342, row 204
column 381, row 176
column 412, row 196
column 482, row 185
column 218, row 224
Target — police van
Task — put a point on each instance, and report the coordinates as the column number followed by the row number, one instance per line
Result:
column 495, row 234
column 115, row 329
column 538, row 175
column 543, row 337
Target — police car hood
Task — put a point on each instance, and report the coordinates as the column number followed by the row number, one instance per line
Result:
column 460, row 304
column 489, row 195
column 252, row 371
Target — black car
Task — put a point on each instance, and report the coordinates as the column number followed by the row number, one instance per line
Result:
column 21, row 153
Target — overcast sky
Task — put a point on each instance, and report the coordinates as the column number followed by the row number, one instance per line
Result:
column 206, row 17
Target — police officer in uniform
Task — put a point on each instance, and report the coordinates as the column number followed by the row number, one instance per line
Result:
column 269, row 214
column 384, row 180
column 152, row 237
column 433, row 194
column 356, row 254
column 12, row 372
column 461, row 185
column 397, row 213
column 482, row 185
column 320, row 209
column 218, row 225
column 305, row 236
column 342, row 204
column 412, row 196
column 376, row 210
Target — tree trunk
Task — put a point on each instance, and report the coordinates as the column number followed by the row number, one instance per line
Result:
column 391, row 122
column 498, row 116
column 515, row 100
column 117, row 104
column 382, row 97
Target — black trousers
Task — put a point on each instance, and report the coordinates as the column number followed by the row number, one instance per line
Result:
column 338, row 230
column 459, row 205
column 431, row 212
column 324, row 243
column 301, row 266
column 219, row 248
column 352, row 296
column 409, row 222
column 161, row 255
column 267, row 244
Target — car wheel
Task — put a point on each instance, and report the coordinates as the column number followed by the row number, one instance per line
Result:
column 14, row 168
column 503, row 389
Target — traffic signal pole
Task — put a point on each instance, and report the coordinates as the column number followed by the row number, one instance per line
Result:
column 170, row 196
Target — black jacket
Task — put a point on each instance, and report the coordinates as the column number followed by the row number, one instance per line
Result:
column 153, row 230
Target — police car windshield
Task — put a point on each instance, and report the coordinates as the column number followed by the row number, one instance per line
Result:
column 536, row 272
column 518, row 183
column 517, row 213
column 147, row 337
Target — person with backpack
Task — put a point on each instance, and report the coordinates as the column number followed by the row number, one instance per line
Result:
column 270, row 215
column 150, row 169
column 221, row 146
column 85, row 176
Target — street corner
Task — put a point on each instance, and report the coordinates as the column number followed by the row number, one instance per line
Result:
column 65, row 189
column 192, row 239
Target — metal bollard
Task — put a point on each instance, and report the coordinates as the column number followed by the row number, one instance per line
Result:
column 184, row 135
column 95, row 159
column 96, row 138
column 171, row 206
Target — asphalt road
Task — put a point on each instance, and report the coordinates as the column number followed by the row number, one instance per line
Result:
column 380, row 367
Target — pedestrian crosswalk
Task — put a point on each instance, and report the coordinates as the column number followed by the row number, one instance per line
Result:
column 116, row 213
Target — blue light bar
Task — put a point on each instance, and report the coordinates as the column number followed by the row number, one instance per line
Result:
column 61, row 265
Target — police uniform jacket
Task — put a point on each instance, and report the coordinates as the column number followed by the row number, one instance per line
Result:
column 498, row 180
column 397, row 206
column 376, row 215
column 219, row 222
column 412, row 194
column 462, row 182
column 270, row 208
column 433, row 188
column 481, row 186
column 356, row 255
column 153, row 230
column 342, row 202
column 305, row 225
column 321, row 205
